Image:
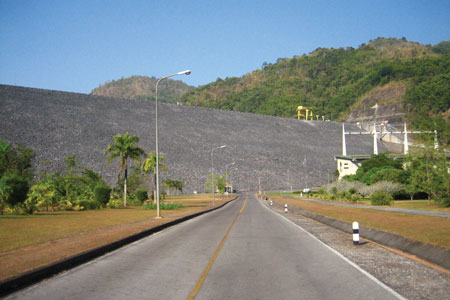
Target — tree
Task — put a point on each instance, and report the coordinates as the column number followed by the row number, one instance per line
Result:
column 16, row 159
column 124, row 147
column 149, row 167
column 5, row 192
column 174, row 184
column 429, row 172
column 215, row 181
column 43, row 193
column 15, row 173
column 71, row 163
column 380, row 161
column 134, row 180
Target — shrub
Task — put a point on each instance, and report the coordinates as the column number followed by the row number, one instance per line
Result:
column 141, row 194
column 389, row 174
column 102, row 194
column 115, row 202
column 168, row 206
column 87, row 204
column 334, row 190
column 381, row 198
column 17, row 187
column 386, row 186
column 443, row 201
column 356, row 198
column 132, row 200
column 446, row 202
column 343, row 186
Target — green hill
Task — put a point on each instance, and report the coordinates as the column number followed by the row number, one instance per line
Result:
column 331, row 81
column 143, row 88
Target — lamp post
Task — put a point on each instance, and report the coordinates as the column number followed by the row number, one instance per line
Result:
column 187, row 72
column 212, row 171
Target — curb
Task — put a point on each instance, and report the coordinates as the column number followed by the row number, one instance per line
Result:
column 26, row 279
column 435, row 254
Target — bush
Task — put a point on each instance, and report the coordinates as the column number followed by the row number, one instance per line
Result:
column 386, row 186
column 115, row 202
column 88, row 204
column 132, row 200
column 141, row 194
column 343, row 186
column 102, row 194
column 381, row 198
column 17, row 186
column 168, row 206
column 446, row 202
column 356, row 198
column 443, row 201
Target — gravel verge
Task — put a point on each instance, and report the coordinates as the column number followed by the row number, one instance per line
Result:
column 408, row 277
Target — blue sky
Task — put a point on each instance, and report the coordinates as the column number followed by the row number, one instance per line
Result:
column 77, row 45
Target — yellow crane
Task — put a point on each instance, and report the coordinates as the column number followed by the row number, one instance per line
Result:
column 304, row 113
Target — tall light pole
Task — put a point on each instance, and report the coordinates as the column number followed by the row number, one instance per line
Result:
column 212, row 171
column 187, row 72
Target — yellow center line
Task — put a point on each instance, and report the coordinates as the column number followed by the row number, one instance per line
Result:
column 202, row 278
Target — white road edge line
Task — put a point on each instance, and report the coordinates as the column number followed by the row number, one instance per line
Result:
column 370, row 276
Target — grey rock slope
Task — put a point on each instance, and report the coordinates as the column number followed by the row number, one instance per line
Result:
column 281, row 152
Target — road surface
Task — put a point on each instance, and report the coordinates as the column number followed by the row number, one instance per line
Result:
column 241, row 251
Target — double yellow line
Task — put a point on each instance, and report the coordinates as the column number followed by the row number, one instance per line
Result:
column 202, row 278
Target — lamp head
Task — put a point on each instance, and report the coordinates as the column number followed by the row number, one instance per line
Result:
column 187, row 72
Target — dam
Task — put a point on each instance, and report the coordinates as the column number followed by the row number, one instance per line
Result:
column 280, row 153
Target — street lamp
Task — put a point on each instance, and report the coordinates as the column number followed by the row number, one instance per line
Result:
column 212, row 171
column 187, row 72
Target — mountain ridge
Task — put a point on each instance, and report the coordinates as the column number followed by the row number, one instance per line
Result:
column 143, row 88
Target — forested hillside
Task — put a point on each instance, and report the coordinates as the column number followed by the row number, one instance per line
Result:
column 143, row 88
column 332, row 80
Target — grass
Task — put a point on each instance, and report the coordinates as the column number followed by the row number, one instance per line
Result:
column 167, row 206
column 408, row 204
column 18, row 231
column 432, row 230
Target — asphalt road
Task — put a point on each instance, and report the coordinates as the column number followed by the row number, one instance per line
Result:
column 241, row 251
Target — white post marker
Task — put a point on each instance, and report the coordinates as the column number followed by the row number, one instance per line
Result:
column 270, row 202
column 285, row 208
column 355, row 227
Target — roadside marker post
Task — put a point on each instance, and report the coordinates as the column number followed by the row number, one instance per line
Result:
column 271, row 203
column 285, row 208
column 355, row 227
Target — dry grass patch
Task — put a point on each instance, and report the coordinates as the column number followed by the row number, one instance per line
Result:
column 412, row 204
column 29, row 242
column 431, row 230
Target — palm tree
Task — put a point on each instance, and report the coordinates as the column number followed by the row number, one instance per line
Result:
column 124, row 147
column 149, row 167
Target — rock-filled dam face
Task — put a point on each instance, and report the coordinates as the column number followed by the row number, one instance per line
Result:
column 278, row 152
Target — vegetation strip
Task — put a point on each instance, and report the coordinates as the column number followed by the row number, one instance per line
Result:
column 434, row 254
column 11, row 285
column 202, row 278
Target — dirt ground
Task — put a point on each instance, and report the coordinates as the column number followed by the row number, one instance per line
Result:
column 18, row 261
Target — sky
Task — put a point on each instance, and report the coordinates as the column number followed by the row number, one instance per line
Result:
column 76, row 46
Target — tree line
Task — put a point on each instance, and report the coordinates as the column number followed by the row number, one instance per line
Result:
column 77, row 187
column 332, row 80
column 423, row 173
